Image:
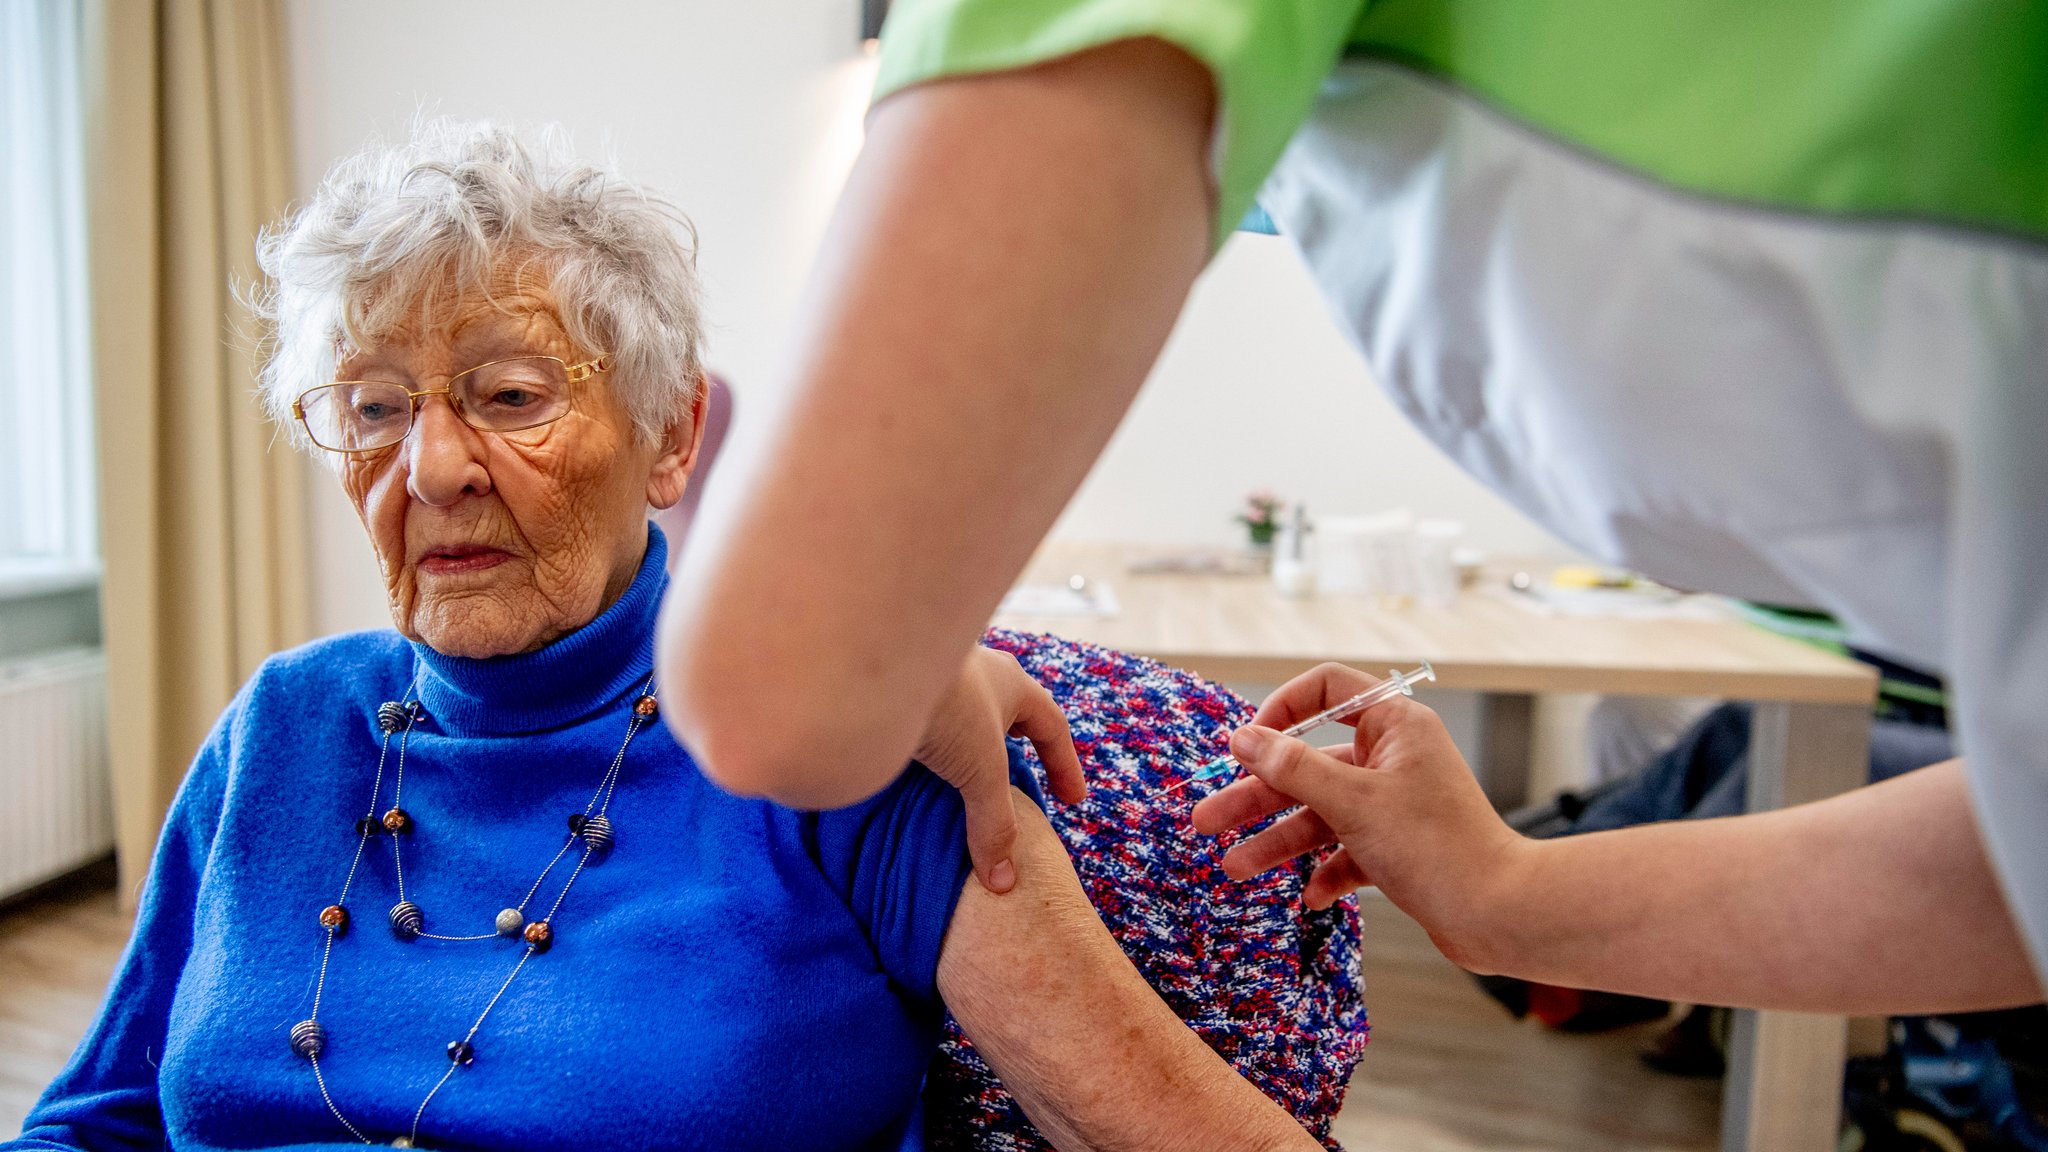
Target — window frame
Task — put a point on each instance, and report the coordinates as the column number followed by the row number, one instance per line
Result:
column 49, row 541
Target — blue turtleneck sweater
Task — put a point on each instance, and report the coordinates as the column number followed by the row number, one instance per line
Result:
column 730, row 975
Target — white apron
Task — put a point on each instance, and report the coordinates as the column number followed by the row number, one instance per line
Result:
column 1845, row 414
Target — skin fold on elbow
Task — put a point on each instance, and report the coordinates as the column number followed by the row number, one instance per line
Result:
column 750, row 746
column 777, row 761
column 765, row 709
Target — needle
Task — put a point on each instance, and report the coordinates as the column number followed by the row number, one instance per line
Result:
column 1396, row 684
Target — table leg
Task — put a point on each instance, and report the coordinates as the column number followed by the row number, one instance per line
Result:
column 1784, row 1086
column 1507, row 738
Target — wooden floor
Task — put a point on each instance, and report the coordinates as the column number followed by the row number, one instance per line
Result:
column 1447, row 1071
column 56, row 956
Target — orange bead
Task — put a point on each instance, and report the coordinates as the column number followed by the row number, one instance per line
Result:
column 539, row 935
column 336, row 917
column 645, row 707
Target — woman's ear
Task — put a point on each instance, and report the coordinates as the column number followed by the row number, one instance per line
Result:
column 670, row 476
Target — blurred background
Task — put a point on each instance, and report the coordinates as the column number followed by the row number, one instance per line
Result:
column 157, row 540
column 749, row 116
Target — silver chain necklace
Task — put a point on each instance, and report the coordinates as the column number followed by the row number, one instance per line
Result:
column 590, row 828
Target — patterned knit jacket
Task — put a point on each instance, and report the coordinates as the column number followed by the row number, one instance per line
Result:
column 1270, row 985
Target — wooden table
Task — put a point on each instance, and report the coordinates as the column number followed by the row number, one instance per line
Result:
column 1809, row 736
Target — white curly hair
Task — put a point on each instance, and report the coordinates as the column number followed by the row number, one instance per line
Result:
column 394, row 233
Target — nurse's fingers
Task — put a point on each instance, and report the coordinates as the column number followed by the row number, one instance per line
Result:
column 1309, row 693
column 1327, row 685
column 1249, row 798
column 1335, row 788
column 1290, row 836
column 1337, row 876
column 1240, row 802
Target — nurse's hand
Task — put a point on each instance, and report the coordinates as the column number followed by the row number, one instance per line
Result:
column 963, row 745
column 1801, row 909
column 1399, row 804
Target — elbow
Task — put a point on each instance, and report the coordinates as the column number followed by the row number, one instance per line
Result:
column 747, row 739
column 739, row 746
column 777, row 760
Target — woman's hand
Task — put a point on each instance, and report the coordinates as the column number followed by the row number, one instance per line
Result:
column 963, row 745
column 1399, row 802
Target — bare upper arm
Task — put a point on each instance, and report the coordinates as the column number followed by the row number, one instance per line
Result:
column 1077, row 1035
column 974, row 331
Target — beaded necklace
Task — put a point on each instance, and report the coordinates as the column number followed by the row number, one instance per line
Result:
column 590, row 828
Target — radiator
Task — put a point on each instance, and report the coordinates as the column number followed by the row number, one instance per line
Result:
column 56, row 809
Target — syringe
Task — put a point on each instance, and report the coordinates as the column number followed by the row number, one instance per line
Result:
column 1396, row 684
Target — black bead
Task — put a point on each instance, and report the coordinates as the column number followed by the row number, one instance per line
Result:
column 576, row 821
column 308, row 1039
column 392, row 716
column 460, row 1052
column 369, row 826
column 407, row 921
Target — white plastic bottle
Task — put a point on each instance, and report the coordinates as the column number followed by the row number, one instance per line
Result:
column 1293, row 575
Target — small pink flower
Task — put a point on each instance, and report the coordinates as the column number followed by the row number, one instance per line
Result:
column 1261, row 510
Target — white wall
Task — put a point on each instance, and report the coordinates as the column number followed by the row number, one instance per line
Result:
column 1258, row 388
column 747, row 114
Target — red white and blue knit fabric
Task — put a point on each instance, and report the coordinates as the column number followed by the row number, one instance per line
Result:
column 1270, row 985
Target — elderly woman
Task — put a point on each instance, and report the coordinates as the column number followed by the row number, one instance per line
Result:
column 452, row 885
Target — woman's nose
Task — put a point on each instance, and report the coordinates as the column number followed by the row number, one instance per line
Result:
column 446, row 456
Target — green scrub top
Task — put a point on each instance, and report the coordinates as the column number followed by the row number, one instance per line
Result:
column 1910, row 108
column 1751, row 297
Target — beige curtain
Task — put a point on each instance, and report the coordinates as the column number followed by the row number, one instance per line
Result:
column 200, row 504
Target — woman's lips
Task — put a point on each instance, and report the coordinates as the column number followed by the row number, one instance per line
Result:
column 454, row 561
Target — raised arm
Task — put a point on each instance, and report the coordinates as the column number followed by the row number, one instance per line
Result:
column 1879, row 901
column 1007, row 259
column 1092, row 1053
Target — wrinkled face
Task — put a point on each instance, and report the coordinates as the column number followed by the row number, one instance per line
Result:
column 496, row 543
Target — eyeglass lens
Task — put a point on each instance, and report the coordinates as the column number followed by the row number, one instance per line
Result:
column 510, row 395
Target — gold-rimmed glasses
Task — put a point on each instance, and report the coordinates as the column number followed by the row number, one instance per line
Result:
column 509, row 395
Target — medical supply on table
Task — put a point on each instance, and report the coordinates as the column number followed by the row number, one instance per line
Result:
column 1198, row 562
column 1394, row 557
column 1396, row 684
column 1577, row 590
column 1079, row 596
column 1292, row 573
column 1435, row 544
column 1349, row 553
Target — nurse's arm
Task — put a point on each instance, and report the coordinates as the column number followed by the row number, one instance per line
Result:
column 1880, row 901
column 1003, row 267
column 1090, row 1051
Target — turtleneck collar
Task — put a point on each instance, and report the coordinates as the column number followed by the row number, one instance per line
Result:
column 551, row 687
